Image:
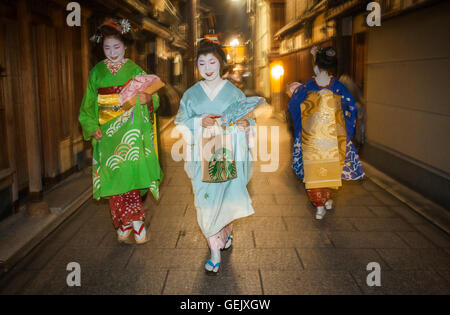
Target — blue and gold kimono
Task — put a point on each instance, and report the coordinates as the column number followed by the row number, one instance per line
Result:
column 324, row 124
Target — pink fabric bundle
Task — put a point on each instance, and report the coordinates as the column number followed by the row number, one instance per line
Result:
column 147, row 83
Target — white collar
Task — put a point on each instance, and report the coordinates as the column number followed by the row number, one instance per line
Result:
column 212, row 92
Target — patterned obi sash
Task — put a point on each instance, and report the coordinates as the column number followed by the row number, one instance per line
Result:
column 324, row 140
column 108, row 103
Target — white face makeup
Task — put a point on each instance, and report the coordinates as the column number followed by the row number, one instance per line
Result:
column 209, row 67
column 114, row 49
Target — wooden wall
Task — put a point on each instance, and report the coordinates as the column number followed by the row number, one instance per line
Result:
column 358, row 60
column 277, row 21
column 12, row 145
column 296, row 8
column 57, row 90
column 14, row 155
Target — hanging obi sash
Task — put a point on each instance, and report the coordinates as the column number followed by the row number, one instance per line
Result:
column 323, row 139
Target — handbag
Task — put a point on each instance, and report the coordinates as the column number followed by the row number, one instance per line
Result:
column 217, row 155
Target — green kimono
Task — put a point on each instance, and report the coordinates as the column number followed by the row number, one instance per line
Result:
column 125, row 158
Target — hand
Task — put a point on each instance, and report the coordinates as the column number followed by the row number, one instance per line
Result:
column 290, row 89
column 97, row 134
column 314, row 50
column 243, row 124
column 208, row 121
column 145, row 98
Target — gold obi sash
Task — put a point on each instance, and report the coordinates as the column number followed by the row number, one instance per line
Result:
column 108, row 103
column 323, row 140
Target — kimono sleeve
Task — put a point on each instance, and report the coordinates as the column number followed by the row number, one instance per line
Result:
column 155, row 99
column 294, row 106
column 155, row 96
column 139, row 71
column 350, row 111
column 88, row 116
column 185, row 115
column 251, row 119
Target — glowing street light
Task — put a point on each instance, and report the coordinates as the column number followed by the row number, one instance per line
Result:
column 234, row 42
column 277, row 72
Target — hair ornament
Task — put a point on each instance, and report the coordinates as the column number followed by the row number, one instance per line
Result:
column 330, row 52
column 96, row 38
column 125, row 26
column 122, row 26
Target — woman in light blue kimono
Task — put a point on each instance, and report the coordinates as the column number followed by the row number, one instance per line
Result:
column 218, row 204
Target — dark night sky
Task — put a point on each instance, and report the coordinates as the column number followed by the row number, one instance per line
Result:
column 231, row 17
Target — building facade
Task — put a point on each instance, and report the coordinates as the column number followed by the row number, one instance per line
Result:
column 400, row 66
column 407, row 99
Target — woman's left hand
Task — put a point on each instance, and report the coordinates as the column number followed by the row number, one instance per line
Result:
column 145, row 98
column 243, row 124
column 291, row 87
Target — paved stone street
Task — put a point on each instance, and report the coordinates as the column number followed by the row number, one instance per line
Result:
column 281, row 249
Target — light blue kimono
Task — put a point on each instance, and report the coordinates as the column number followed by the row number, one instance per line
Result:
column 217, row 204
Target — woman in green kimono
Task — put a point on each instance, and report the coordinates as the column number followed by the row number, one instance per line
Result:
column 124, row 164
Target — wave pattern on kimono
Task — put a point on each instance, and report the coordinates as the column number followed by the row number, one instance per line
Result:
column 124, row 159
column 324, row 124
column 217, row 204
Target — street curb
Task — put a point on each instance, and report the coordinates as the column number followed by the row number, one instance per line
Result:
column 433, row 212
column 70, row 209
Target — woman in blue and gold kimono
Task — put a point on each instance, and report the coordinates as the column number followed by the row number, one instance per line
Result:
column 323, row 113
column 218, row 204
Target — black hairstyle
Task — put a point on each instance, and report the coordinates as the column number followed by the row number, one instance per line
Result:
column 206, row 46
column 326, row 58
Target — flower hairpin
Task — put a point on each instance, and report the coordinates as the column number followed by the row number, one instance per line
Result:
column 125, row 26
column 330, row 53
